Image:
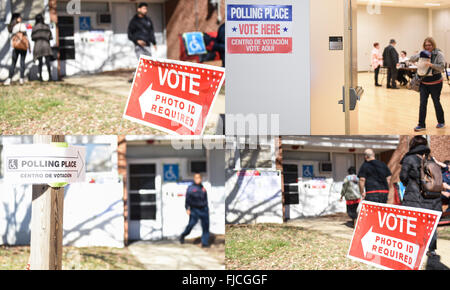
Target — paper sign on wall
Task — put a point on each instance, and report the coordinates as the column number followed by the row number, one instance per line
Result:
column 173, row 96
column 259, row 29
column 44, row 163
column 392, row 237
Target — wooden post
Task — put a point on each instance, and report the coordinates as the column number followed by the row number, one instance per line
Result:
column 122, row 164
column 46, row 221
column 279, row 166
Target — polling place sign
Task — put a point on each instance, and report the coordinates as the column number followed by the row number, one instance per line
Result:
column 43, row 164
column 173, row 96
column 392, row 237
column 259, row 28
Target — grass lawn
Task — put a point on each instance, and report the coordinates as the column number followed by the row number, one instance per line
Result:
column 61, row 108
column 284, row 247
column 92, row 258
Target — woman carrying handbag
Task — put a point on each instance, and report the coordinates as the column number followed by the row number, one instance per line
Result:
column 20, row 44
column 431, row 65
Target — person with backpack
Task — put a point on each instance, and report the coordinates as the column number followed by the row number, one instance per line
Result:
column 350, row 191
column 391, row 60
column 20, row 44
column 374, row 178
column 41, row 35
column 423, row 180
column 431, row 65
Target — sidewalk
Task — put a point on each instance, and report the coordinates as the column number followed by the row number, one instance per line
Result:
column 171, row 255
column 116, row 83
column 338, row 226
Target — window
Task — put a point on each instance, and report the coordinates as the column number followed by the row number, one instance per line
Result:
column 27, row 8
column 99, row 7
column 198, row 166
column 98, row 157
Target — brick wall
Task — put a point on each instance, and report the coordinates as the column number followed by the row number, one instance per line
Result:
column 180, row 17
column 440, row 147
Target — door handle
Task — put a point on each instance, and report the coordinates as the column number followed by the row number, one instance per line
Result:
column 355, row 96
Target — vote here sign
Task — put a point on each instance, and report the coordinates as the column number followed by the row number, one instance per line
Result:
column 259, row 29
column 43, row 163
column 392, row 237
column 173, row 96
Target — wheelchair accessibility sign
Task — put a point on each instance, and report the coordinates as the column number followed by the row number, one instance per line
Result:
column 85, row 22
column 308, row 171
column 194, row 43
column 171, row 172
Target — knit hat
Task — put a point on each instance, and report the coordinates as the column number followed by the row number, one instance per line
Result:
column 425, row 54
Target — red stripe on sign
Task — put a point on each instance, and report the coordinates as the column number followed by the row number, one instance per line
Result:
column 258, row 45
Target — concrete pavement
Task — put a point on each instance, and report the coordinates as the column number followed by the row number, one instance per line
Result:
column 171, row 255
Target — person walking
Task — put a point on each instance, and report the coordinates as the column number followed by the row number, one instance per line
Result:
column 197, row 208
column 20, row 44
column 142, row 32
column 350, row 191
column 410, row 176
column 377, row 62
column 42, row 35
column 430, row 69
column 390, row 60
column 374, row 177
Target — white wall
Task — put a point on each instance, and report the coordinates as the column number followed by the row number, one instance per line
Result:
column 93, row 214
column 408, row 26
column 441, row 30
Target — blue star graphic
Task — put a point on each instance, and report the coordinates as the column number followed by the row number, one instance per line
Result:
column 285, row 29
column 234, row 29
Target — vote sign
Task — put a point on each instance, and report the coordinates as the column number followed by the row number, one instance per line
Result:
column 254, row 29
column 392, row 237
column 43, row 163
column 173, row 96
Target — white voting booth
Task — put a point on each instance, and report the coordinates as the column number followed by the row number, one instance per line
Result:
column 254, row 196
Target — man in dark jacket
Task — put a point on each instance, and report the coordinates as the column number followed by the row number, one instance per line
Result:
column 374, row 177
column 390, row 60
column 197, row 208
column 141, row 31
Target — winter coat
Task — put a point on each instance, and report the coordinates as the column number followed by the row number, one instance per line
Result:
column 141, row 28
column 41, row 35
column 196, row 196
column 410, row 177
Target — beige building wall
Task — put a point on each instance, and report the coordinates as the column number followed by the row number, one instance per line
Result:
column 409, row 26
column 441, row 30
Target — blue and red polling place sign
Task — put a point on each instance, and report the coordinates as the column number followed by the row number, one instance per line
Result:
column 257, row 29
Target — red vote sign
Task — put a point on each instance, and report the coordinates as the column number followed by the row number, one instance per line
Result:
column 392, row 237
column 173, row 96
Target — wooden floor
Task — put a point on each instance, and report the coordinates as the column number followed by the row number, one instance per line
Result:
column 395, row 112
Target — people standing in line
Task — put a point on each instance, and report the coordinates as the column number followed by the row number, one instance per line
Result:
column 374, row 177
column 402, row 73
column 391, row 60
column 142, row 32
column 42, row 35
column 377, row 61
column 20, row 44
column 197, row 208
column 350, row 191
column 432, row 82
column 410, row 175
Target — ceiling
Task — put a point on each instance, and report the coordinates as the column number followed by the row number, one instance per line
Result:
column 410, row 3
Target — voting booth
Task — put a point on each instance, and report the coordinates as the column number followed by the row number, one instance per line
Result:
column 294, row 60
